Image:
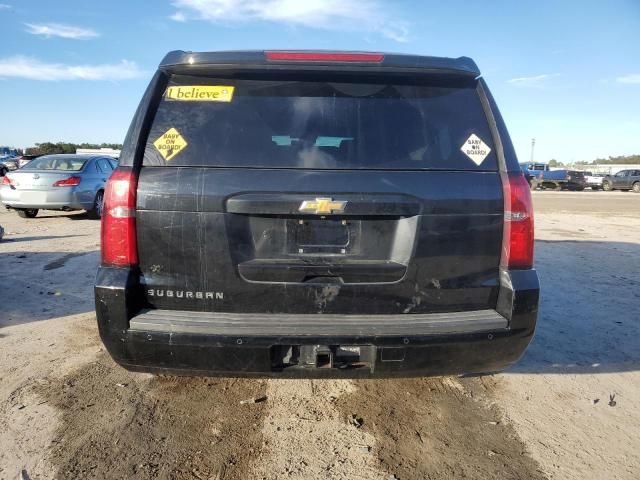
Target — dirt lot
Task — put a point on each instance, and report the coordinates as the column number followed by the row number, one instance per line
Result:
column 569, row 409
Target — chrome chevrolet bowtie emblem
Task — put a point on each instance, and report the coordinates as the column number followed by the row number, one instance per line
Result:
column 323, row 206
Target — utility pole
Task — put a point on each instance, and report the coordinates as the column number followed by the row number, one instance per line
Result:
column 533, row 144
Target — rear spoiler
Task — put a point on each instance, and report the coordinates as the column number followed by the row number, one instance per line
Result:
column 182, row 62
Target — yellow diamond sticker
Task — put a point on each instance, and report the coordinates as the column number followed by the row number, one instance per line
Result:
column 200, row 93
column 170, row 144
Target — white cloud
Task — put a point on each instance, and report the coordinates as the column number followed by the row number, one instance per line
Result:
column 33, row 69
column 631, row 78
column 348, row 15
column 178, row 17
column 535, row 81
column 58, row 30
column 4, row 6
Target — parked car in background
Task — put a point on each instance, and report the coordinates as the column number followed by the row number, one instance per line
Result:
column 8, row 152
column 527, row 175
column 536, row 167
column 24, row 159
column 8, row 164
column 560, row 180
column 623, row 180
column 8, row 160
column 594, row 180
column 532, row 171
column 57, row 182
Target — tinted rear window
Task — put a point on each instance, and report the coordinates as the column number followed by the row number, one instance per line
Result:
column 73, row 164
column 322, row 125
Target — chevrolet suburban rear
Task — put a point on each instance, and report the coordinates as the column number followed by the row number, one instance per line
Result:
column 317, row 214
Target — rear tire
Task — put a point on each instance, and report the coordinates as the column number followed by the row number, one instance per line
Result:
column 98, row 202
column 606, row 186
column 27, row 213
column 636, row 187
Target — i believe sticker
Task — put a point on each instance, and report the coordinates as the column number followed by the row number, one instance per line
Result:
column 475, row 149
column 200, row 93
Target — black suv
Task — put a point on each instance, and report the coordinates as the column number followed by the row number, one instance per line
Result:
column 317, row 214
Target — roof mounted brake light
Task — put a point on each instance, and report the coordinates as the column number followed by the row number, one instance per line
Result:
column 325, row 57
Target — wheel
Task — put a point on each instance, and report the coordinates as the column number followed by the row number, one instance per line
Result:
column 28, row 213
column 96, row 211
column 606, row 186
column 636, row 187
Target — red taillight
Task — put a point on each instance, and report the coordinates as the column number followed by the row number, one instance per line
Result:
column 325, row 57
column 68, row 182
column 6, row 181
column 119, row 245
column 517, row 245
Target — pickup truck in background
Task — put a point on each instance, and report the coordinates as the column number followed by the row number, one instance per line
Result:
column 560, row 180
column 594, row 180
column 532, row 171
column 527, row 174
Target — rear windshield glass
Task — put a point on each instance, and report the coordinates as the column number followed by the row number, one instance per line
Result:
column 318, row 125
column 56, row 163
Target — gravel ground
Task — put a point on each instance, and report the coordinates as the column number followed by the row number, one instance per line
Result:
column 569, row 409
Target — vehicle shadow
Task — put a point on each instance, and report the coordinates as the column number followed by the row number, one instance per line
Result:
column 588, row 319
column 13, row 239
column 43, row 214
column 38, row 286
column 81, row 216
column 590, row 297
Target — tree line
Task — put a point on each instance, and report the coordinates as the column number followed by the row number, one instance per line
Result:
column 49, row 148
column 619, row 160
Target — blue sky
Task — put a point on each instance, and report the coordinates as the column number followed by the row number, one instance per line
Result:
column 565, row 72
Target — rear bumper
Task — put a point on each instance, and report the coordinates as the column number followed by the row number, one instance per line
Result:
column 62, row 198
column 247, row 345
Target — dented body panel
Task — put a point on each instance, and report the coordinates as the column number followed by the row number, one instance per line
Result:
column 249, row 255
